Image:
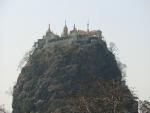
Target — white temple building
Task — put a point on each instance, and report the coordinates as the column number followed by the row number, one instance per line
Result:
column 74, row 36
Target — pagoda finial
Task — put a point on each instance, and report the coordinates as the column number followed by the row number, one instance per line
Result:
column 65, row 23
column 74, row 27
column 88, row 27
column 49, row 29
column 65, row 30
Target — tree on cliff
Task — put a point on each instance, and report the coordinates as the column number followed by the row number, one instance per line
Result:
column 114, row 98
column 144, row 106
column 2, row 109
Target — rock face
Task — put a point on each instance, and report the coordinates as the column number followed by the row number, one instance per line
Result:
column 72, row 78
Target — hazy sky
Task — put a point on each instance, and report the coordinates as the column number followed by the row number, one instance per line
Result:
column 124, row 22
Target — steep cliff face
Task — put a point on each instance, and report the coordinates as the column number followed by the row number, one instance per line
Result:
column 72, row 78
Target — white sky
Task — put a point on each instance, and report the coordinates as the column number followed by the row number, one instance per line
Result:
column 124, row 22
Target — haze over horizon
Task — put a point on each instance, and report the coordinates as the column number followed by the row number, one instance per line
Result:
column 124, row 22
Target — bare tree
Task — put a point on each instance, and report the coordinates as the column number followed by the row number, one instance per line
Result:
column 115, row 94
column 26, row 57
column 84, row 103
column 10, row 91
column 2, row 109
column 113, row 48
column 144, row 106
